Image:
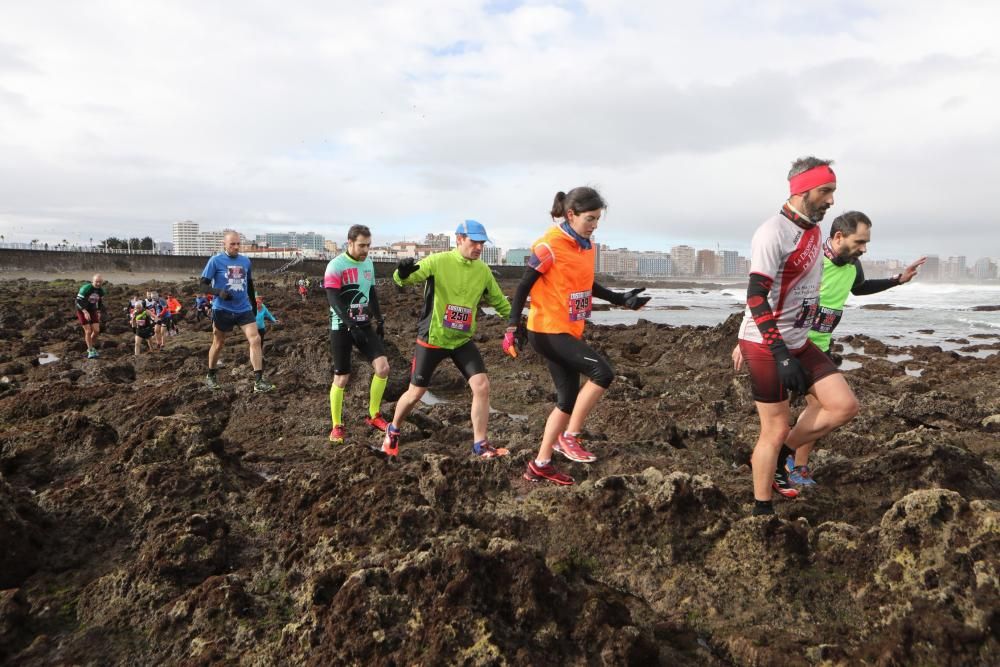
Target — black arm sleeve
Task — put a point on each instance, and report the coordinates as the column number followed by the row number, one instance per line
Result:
column 528, row 281
column 861, row 287
column 81, row 302
column 760, row 309
column 251, row 294
column 373, row 305
column 206, row 286
column 602, row 292
column 333, row 298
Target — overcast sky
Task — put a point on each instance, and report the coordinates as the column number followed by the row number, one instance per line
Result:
column 119, row 118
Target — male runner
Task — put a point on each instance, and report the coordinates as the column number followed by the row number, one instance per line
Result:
column 350, row 289
column 782, row 303
column 228, row 277
column 456, row 281
column 89, row 307
column 850, row 234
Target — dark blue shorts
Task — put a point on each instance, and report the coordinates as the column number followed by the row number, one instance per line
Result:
column 225, row 321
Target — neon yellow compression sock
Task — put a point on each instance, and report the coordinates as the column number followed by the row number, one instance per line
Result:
column 375, row 394
column 336, row 404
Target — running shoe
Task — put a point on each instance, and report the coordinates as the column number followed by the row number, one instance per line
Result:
column 337, row 434
column 262, row 386
column 790, row 463
column 390, row 443
column 569, row 446
column 801, row 476
column 378, row 422
column 485, row 450
column 783, row 486
column 212, row 382
column 548, row 472
column 762, row 511
column 91, row 353
column 96, row 353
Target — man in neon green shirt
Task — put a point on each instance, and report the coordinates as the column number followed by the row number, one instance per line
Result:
column 454, row 284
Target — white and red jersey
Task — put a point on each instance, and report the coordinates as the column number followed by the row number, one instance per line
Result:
column 790, row 257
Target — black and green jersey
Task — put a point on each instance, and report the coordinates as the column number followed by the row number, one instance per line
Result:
column 89, row 297
column 839, row 280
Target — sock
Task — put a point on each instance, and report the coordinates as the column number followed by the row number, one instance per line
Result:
column 392, row 428
column 785, row 452
column 477, row 446
column 762, row 507
column 211, row 372
column 541, row 463
column 375, row 394
column 258, row 376
column 336, row 404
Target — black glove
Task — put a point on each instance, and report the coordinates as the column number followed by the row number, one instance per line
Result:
column 632, row 299
column 380, row 329
column 225, row 294
column 407, row 266
column 790, row 372
column 359, row 335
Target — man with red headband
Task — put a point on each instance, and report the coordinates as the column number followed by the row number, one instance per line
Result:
column 782, row 302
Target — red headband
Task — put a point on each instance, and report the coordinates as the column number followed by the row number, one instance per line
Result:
column 813, row 178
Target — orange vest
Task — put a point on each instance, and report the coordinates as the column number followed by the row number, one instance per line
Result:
column 561, row 298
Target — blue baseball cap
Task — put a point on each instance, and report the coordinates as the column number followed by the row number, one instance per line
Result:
column 474, row 230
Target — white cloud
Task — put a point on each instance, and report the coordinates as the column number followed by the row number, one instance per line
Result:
column 122, row 117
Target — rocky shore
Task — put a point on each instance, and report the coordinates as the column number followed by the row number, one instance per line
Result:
column 145, row 519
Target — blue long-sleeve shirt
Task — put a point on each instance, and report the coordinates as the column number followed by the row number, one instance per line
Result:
column 262, row 313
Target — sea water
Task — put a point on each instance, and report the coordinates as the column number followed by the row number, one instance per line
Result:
column 937, row 312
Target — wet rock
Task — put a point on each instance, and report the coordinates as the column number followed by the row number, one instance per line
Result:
column 21, row 534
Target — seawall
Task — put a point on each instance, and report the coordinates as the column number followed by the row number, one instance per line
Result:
column 61, row 264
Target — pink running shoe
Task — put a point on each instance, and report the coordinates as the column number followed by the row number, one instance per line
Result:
column 569, row 446
column 537, row 473
column 378, row 421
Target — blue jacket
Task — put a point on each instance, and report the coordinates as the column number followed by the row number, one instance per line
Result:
column 263, row 312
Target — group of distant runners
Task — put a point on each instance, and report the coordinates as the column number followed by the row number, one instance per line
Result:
column 798, row 285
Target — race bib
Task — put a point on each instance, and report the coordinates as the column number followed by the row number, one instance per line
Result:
column 458, row 318
column 579, row 306
column 826, row 319
column 358, row 312
column 807, row 313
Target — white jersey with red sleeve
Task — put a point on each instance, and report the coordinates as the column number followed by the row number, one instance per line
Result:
column 790, row 257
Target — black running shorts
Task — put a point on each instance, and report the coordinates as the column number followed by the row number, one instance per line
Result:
column 426, row 359
column 225, row 320
column 341, row 344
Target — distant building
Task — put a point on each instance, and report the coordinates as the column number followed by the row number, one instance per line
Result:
column 518, row 256
column 619, row 262
column 931, row 270
column 331, row 247
column 164, row 247
column 730, row 263
column 653, row 264
column 954, row 269
column 492, row 255
column 984, row 269
column 307, row 241
column 185, row 235
column 683, row 259
column 705, row 264
column 383, row 254
column 438, row 241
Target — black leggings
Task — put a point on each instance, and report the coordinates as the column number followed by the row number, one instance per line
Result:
column 567, row 358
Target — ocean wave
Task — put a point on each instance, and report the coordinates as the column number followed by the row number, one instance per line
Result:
column 979, row 324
